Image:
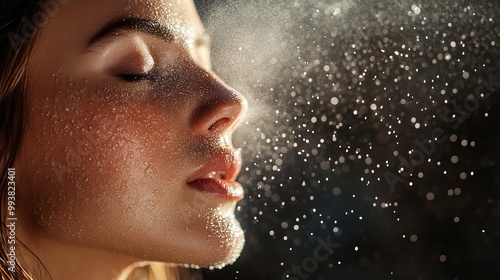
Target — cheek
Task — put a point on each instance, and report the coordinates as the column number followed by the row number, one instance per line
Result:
column 95, row 166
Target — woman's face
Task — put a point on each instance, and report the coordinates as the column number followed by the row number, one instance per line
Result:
column 128, row 147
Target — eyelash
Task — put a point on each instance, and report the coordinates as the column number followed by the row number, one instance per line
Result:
column 134, row 78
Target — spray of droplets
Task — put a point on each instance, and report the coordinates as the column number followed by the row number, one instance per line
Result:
column 371, row 123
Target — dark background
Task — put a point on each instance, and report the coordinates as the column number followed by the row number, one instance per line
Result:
column 343, row 96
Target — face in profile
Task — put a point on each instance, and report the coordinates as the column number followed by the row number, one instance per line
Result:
column 128, row 147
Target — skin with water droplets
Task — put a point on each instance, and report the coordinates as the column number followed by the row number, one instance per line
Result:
column 105, row 162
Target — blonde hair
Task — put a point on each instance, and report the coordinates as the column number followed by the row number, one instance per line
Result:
column 15, row 47
column 155, row 271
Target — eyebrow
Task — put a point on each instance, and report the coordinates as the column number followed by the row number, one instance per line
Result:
column 144, row 25
column 152, row 27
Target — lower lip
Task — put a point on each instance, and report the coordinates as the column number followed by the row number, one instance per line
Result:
column 218, row 187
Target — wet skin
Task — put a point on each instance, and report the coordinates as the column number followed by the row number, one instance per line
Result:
column 121, row 114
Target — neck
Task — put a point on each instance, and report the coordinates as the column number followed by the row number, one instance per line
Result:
column 64, row 261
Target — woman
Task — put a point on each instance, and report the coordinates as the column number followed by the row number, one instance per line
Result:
column 115, row 139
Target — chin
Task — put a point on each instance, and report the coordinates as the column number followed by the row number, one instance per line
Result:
column 221, row 245
column 215, row 240
column 227, row 253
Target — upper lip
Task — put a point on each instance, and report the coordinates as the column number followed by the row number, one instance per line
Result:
column 224, row 163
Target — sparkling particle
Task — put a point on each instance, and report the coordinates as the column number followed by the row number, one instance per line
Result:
column 334, row 100
column 429, row 196
column 344, row 121
column 336, row 191
column 413, row 238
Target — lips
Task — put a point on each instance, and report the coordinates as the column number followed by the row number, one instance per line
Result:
column 218, row 174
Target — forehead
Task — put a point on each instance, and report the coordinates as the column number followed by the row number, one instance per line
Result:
column 88, row 15
column 180, row 15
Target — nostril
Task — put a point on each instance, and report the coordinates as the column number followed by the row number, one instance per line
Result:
column 217, row 109
column 217, row 117
column 219, row 124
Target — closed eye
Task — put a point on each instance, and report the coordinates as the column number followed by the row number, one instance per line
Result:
column 131, row 78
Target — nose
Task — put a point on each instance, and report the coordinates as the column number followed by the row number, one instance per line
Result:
column 219, row 111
